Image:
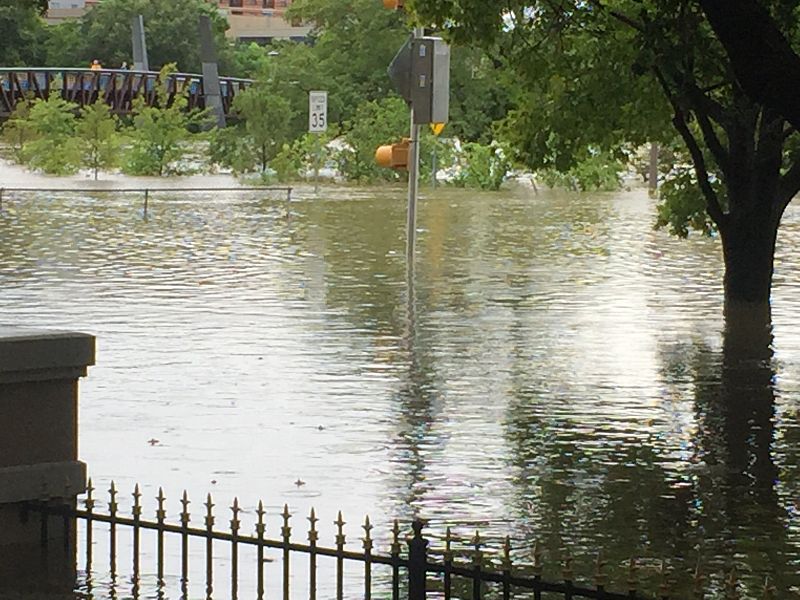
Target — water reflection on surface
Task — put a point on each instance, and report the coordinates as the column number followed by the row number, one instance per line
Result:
column 562, row 373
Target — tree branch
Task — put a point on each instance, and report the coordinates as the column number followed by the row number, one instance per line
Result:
column 679, row 121
column 762, row 58
column 720, row 153
column 622, row 18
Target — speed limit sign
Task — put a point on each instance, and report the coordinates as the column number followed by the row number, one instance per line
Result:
column 317, row 112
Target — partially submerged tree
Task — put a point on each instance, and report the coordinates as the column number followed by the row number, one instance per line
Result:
column 160, row 132
column 97, row 132
column 604, row 72
column 18, row 129
column 53, row 147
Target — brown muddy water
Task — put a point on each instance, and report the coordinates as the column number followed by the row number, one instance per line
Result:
column 559, row 375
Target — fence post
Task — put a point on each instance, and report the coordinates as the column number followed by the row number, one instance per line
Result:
column 39, row 372
column 417, row 563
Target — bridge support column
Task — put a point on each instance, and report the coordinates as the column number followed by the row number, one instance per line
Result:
column 140, row 62
column 39, row 374
column 211, row 87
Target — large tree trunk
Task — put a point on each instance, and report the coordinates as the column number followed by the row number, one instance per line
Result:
column 765, row 64
column 748, row 244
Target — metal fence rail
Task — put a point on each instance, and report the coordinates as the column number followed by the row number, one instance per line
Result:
column 146, row 191
column 415, row 568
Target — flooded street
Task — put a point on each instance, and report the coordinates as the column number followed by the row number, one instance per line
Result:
column 559, row 373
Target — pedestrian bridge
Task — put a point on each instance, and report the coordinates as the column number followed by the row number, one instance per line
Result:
column 116, row 87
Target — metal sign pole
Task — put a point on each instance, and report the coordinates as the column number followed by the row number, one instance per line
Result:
column 413, row 185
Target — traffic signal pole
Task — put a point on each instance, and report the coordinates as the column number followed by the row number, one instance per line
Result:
column 413, row 185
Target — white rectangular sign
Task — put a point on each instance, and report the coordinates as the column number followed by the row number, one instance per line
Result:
column 317, row 112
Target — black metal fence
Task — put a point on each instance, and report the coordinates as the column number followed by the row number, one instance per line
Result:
column 413, row 568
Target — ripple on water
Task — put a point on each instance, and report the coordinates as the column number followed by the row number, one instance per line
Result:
column 558, row 376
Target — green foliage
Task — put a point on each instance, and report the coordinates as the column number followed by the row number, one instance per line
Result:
column 21, row 30
column 296, row 160
column 160, row 134
column 18, row 129
column 479, row 95
column 267, row 117
column 683, row 206
column 353, row 42
column 481, row 166
column 599, row 171
column 374, row 123
column 97, row 132
column 104, row 33
column 53, row 147
column 229, row 148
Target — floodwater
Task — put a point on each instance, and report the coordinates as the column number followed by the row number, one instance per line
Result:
column 559, row 373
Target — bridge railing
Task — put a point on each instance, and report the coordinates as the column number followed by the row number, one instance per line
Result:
column 116, row 87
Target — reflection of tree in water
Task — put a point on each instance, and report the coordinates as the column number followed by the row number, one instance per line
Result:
column 627, row 499
column 738, row 507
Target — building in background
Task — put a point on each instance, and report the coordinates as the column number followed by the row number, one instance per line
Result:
column 257, row 21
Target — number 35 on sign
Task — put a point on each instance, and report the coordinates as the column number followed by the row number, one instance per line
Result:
column 317, row 112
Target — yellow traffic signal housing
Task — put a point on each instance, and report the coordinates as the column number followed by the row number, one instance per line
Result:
column 393, row 4
column 393, row 156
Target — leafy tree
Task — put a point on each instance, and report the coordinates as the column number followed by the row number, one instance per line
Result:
column 20, row 33
column 97, row 132
column 353, row 42
column 482, row 166
column 160, row 133
column 296, row 160
column 266, row 117
column 18, row 129
column 374, row 123
column 104, row 33
column 54, row 148
column 606, row 72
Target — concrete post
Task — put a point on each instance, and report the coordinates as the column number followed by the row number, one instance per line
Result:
column 140, row 62
column 208, row 55
column 39, row 372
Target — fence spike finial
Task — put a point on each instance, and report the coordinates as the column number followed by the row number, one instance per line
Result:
column 448, row 543
column 600, row 578
column 260, row 527
column 698, row 582
column 112, row 493
column 185, row 516
column 768, row 591
column 313, row 534
column 664, row 586
column 340, row 523
column 161, row 514
column 731, row 585
column 396, row 538
column 537, row 560
column 507, row 554
column 477, row 553
column 137, row 505
column 89, row 502
column 235, row 523
column 633, row 578
column 209, row 512
column 286, row 530
column 367, row 527
column 566, row 570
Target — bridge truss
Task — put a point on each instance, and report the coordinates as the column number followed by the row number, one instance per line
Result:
column 117, row 88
